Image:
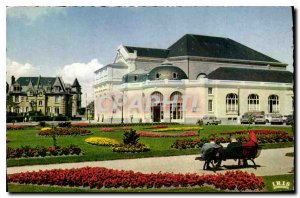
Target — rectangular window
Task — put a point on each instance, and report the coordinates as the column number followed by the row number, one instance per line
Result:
column 16, row 98
column 56, row 99
column 210, row 105
column 210, row 90
column 56, row 110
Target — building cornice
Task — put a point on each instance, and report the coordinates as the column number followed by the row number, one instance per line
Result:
column 206, row 83
column 225, row 60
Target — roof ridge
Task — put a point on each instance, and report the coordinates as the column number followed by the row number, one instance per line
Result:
column 146, row 47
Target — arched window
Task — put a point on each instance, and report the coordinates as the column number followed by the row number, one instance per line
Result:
column 200, row 76
column 231, row 103
column 176, row 105
column 157, row 108
column 273, row 104
column 253, row 102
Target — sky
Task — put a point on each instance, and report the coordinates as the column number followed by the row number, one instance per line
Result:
column 75, row 41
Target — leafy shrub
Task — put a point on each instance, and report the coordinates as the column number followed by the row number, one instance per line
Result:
column 64, row 124
column 42, row 124
column 200, row 122
column 130, row 137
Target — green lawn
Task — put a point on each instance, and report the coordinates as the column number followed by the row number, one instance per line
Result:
column 159, row 146
column 34, row 188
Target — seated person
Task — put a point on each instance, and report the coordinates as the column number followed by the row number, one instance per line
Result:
column 206, row 148
column 234, row 149
column 220, row 153
column 247, row 150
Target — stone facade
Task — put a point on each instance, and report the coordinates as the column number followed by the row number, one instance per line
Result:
column 132, row 75
column 48, row 95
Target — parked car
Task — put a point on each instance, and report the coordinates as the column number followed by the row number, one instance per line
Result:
column 260, row 119
column 245, row 119
column 284, row 118
column 276, row 119
column 269, row 117
column 289, row 119
column 207, row 120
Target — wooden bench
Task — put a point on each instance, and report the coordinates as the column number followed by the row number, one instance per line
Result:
column 214, row 155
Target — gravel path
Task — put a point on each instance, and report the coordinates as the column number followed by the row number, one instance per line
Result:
column 270, row 162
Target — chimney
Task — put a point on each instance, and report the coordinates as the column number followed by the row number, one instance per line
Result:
column 13, row 80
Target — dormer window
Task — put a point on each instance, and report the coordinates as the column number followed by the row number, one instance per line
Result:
column 175, row 75
column 56, row 89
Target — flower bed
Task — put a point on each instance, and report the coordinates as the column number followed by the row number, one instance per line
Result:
column 15, row 127
column 65, row 131
column 262, row 139
column 184, row 134
column 131, row 148
column 259, row 131
column 107, row 129
column 41, row 151
column 177, row 129
column 161, row 126
column 102, row 141
column 108, row 178
column 187, row 144
column 81, row 124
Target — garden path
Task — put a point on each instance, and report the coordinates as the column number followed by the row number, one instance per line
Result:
column 271, row 162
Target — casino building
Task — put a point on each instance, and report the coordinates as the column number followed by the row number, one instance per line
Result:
column 227, row 78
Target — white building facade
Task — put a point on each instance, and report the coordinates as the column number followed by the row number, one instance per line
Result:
column 195, row 77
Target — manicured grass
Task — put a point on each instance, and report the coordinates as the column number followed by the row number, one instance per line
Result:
column 34, row 188
column 158, row 146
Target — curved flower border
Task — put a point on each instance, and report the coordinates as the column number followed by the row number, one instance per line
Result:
column 108, row 178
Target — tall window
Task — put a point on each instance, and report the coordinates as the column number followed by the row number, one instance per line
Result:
column 17, row 99
column 40, row 103
column 157, row 108
column 56, row 99
column 231, row 103
column 56, row 110
column 176, row 105
column 273, row 104
column 210, row 105
column 253, row 102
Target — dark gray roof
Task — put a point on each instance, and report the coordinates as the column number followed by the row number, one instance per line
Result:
column 204, row 46
column 215, row 47
column 260, row 75
column 44, row 81
column 148, row 52
column 76, row 83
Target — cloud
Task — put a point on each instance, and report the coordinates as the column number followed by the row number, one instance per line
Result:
column 31, row 14
column 84, row 72
column 18, row 69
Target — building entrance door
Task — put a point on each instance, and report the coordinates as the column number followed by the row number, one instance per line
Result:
column 156, row 114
